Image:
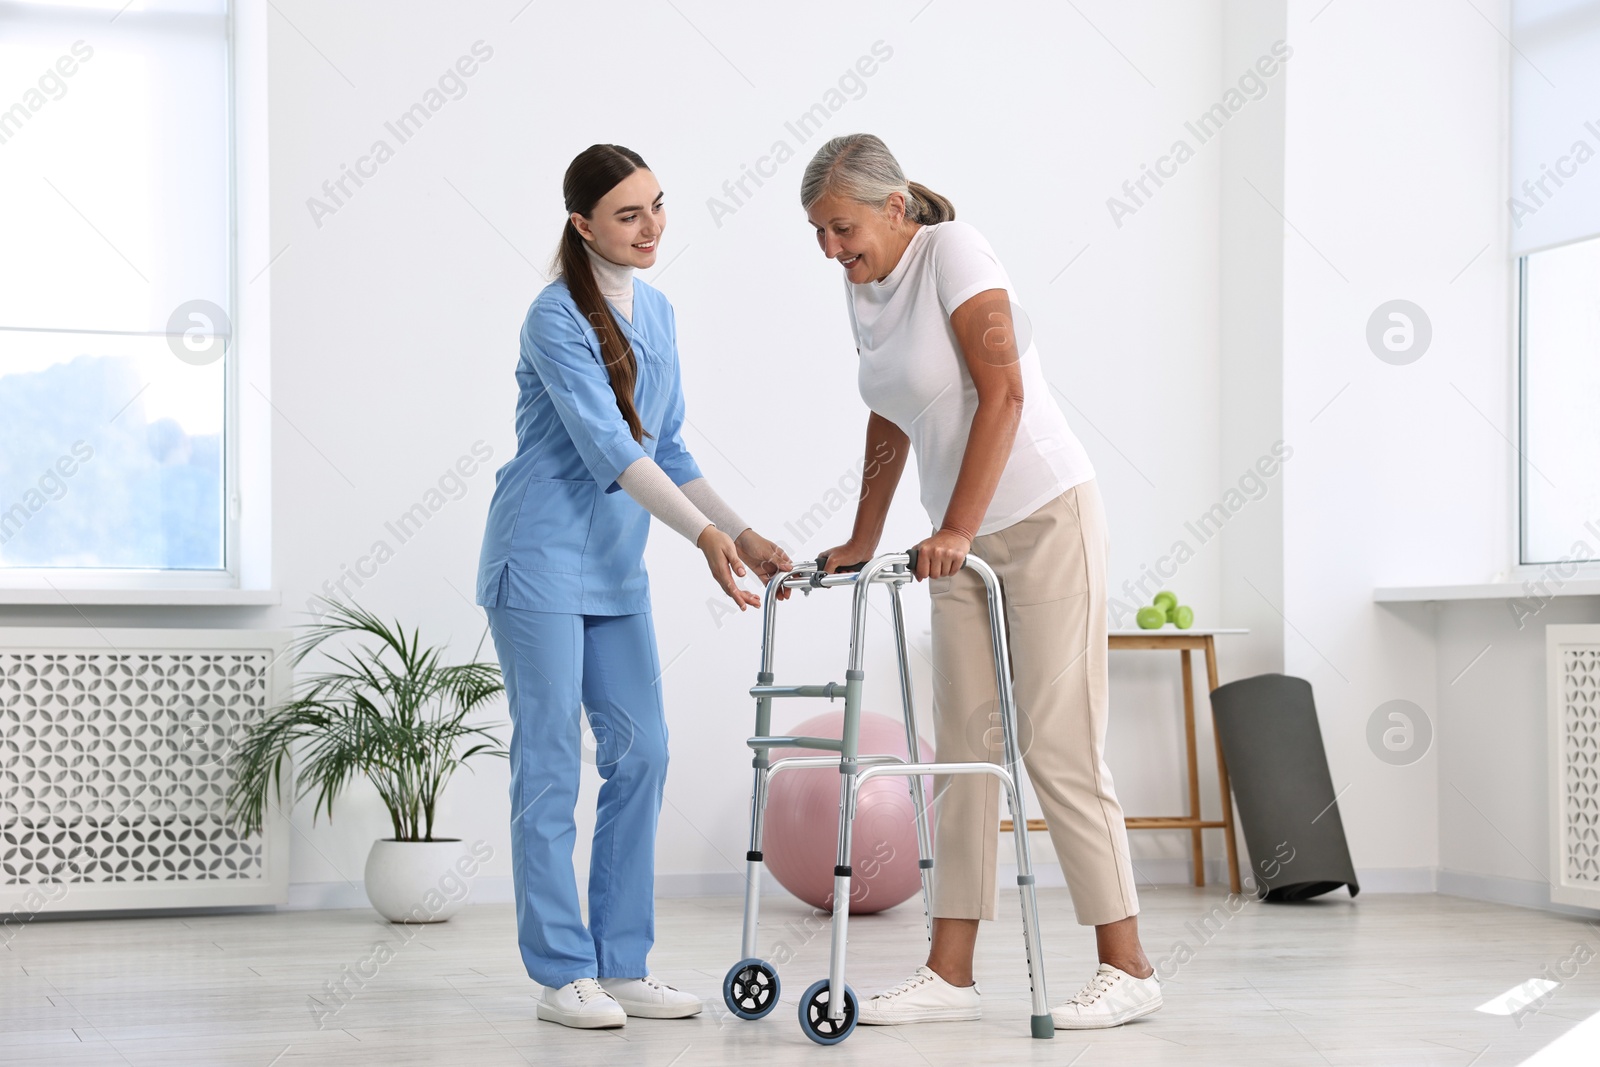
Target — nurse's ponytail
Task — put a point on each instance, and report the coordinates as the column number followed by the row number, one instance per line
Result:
column 593, row 174
column 860, row 167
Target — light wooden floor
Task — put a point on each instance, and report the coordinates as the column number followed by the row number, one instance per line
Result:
column 1386, row 980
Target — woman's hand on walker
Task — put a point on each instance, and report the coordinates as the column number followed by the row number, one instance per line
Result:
column 846, row 555
column 723, row 559
column 942, row 554
column 764, row 557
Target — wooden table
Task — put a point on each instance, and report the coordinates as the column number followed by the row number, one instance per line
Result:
column 1184, row 641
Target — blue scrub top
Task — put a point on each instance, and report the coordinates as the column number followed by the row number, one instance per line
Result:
column 561, row 533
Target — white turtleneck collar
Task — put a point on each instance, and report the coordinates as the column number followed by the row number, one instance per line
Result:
column 615, row 281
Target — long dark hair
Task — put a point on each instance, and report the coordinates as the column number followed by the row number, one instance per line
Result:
column 594, row 173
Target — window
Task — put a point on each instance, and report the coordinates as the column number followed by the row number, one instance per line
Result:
column 1560, row 371
column 116, row 283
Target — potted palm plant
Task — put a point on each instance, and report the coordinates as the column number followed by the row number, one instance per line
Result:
column 389, row 711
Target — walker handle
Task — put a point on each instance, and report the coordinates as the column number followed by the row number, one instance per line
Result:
column 911, row 564
column 822, row 563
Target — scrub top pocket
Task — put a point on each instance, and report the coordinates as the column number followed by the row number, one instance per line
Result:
column 553, row 524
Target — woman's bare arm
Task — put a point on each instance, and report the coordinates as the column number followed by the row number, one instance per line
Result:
column 984, row 329
column 885, row 460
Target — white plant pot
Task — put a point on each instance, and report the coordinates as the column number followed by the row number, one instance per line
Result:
column 419, row 881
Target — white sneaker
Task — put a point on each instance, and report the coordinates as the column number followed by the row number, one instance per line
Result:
column 583, row 1004
column 651, row 998
column 1111, row 998
column 922, row 998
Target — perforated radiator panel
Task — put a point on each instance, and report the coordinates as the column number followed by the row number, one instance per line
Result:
column 1574, row 681
column 114, row 767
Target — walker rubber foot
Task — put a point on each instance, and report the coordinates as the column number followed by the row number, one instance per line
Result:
column 1043, row 1025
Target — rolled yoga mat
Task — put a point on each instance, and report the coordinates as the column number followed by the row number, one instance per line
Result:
column 1283, row 793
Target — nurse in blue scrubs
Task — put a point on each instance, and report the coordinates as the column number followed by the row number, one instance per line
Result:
column 600, row 411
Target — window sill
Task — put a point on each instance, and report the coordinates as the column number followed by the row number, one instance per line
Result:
column 1533, row 587
column 44, row 596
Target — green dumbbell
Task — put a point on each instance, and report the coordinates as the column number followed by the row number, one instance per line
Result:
column 1151, row 618
column 1166, row 601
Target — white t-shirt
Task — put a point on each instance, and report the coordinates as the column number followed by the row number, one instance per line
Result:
column 913, row 374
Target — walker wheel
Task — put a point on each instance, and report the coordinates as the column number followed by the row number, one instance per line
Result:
column 814, row 1019
column 751, row 989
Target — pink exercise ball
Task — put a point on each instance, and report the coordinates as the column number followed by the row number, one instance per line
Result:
column 801, row 838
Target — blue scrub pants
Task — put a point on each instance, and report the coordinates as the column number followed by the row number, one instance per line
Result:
column 554, row 663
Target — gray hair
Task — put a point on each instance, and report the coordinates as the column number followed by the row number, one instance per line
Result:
column 860, row 167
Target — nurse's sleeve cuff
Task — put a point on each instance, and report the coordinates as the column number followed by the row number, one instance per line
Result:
column 616, row 459
column 648, row 484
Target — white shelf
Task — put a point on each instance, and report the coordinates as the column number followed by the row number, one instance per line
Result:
column 1411, row 594
column 62, row 597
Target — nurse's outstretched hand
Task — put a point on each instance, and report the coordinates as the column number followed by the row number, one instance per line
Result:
column 764, row 557
column 723, row 559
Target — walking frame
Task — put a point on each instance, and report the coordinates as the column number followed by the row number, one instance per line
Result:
column 751, row 987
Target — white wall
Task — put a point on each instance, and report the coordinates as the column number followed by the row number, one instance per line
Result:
column 1494, row 808
column 1183, row 349
column 395, row 321
column 1251, row 393
column 1394, row 189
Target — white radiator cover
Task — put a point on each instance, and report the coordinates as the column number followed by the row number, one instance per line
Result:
column 1573, row 654
column 114, row 768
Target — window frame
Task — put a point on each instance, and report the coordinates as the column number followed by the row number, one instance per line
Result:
column 230, row 576
column 1556, row 571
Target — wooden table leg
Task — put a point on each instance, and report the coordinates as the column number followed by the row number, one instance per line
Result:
column 1197, row 847
column 1222, row 775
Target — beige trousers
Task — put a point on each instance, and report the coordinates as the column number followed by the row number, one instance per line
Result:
column 1052, row 568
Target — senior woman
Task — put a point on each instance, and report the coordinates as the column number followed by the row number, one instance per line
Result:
column 1002, row 477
